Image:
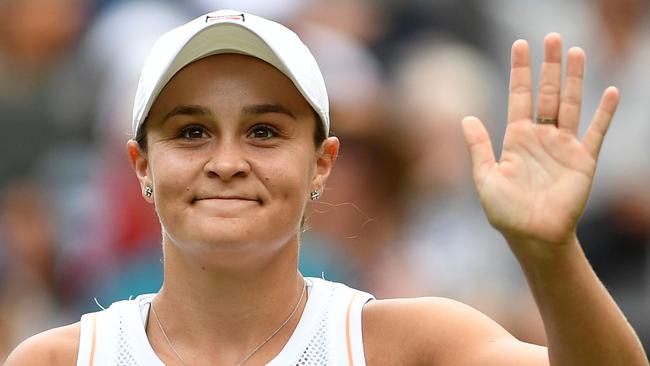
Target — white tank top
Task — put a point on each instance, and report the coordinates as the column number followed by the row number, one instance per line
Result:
column 328, row 333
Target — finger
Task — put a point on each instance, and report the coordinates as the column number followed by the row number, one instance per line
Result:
column 479, row 146
column 571, row 99
column 520, row 99
column 548, row 97
column 595, row 134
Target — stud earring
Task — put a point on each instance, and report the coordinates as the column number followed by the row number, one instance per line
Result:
column 315, row 195
column 148, row 191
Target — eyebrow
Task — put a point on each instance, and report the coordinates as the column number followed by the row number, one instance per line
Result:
column 267, row 108
column 188, row 110
column 253, row 109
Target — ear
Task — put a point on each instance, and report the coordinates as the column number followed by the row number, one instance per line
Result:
column 325, row 160
column 140, row 164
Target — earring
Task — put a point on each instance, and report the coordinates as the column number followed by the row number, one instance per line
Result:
column 148, row 191
column 315, row 195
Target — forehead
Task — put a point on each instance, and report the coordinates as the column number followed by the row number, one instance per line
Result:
column 239, row 72
column 230, row 60
column 227, row 82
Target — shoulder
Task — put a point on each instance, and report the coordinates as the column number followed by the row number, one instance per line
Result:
column 436, row 330
column 58, row 346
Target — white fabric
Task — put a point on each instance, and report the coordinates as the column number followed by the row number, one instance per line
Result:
column 118, row 335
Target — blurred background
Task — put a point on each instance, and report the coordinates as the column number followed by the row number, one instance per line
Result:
column 399, row 216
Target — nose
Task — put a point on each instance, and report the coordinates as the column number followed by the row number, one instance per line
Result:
column 227, row 161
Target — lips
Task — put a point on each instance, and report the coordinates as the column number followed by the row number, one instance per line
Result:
column 226, row 198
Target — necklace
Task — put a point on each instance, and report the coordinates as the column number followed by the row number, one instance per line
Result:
column 249, row 354
column 162, row 330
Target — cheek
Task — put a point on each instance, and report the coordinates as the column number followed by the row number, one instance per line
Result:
column 172, row 178
column 286, row 185
column 290, row 180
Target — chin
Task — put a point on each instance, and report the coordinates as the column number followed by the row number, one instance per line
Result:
column 224, row 239
column 216, row 237
column 229, row 252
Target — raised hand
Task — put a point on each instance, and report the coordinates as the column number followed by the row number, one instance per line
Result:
column 537, row 190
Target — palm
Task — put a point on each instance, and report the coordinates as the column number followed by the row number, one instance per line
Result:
column 539, row 186
column 541, row 183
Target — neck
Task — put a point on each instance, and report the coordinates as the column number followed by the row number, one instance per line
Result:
column 223, row 312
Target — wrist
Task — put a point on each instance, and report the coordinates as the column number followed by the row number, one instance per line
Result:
column 552, row 271
column 539, row 252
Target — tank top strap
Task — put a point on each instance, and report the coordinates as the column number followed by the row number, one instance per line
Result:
column 115, row 336
column 97, row 337
column 87, row 339
column 346, row 324
column 354, row 326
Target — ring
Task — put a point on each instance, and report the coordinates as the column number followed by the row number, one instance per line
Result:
column 546, row 121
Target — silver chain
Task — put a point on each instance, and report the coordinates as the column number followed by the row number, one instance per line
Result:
column 293, row 312
column 162, row 330
column 252, row 352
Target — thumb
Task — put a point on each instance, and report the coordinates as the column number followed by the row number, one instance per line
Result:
column 479, row 146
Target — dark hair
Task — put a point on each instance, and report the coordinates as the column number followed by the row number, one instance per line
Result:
column 319, row 133
column 141, row 136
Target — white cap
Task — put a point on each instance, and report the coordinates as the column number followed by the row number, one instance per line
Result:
column 230, row 31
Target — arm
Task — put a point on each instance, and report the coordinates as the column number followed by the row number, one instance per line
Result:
column 535, row 194
column 438, row 331
column 55, row 347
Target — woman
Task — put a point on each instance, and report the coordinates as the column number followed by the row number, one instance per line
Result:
column 231, row 142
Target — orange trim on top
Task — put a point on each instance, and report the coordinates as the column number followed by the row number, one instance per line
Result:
column 347, row 331
column 94, row 341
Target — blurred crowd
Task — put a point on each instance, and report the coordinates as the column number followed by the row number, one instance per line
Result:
column 399, row 216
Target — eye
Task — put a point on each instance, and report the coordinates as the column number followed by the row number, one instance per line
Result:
column 193, row 132
column 262, row 132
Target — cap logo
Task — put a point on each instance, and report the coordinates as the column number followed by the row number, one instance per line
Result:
column 216, row 18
